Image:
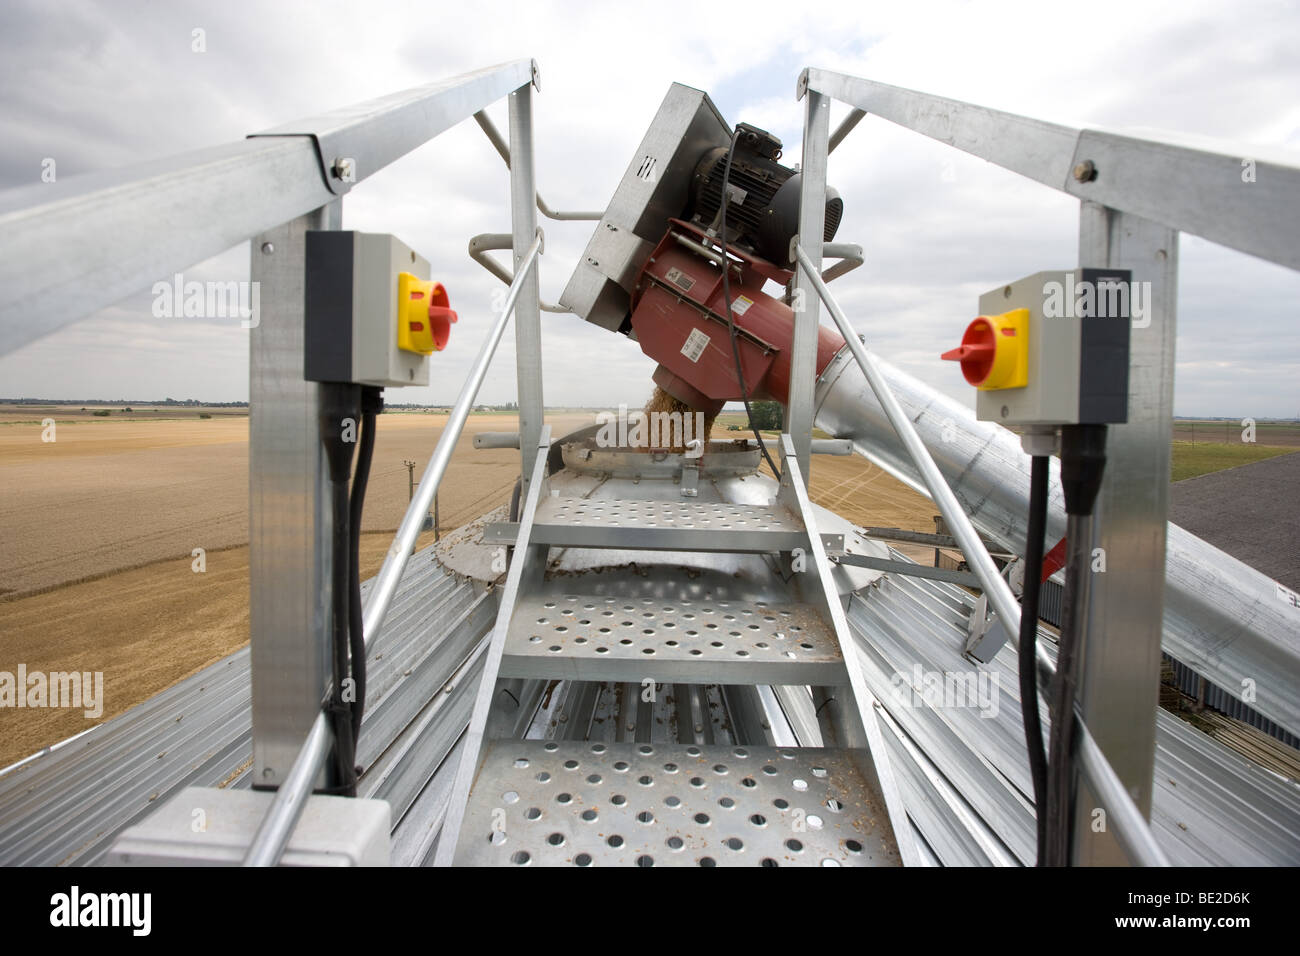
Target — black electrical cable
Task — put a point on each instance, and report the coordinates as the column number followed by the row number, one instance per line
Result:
column 337, row 429
column 1083, row 462
column 340, row 708
column 726, row 301
column 1028, row 651
column 372, row 402
column 1060, row 771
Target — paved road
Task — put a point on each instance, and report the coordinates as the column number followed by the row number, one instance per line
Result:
column 1251, row 511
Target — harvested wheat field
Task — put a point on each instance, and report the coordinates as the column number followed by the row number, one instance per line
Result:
column 98, row 527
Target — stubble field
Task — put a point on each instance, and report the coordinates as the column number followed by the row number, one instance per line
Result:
column 98, row 528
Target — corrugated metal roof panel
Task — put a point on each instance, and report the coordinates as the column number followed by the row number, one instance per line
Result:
column 1211, row 806
column 961, row 768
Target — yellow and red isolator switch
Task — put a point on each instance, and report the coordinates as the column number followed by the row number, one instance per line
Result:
column 1051, row 349
column 373, row 315
column 994, row 352
column 424, row 315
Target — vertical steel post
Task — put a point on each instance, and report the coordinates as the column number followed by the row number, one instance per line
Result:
column 528, row 327
column 1120, row 672
column 288, row 507
column 806, row 304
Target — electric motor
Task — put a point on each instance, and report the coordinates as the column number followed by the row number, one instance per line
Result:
column 763, row 208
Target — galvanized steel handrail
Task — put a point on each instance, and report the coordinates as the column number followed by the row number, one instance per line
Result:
column 1243, row 197
column 959, row 524
column 386, row 584
column 286, row 807
column 1131, row 829
column 112, row 233
column 1161, row 177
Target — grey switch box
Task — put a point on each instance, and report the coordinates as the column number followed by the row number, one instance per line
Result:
column 1078, row 344
column 351, row 310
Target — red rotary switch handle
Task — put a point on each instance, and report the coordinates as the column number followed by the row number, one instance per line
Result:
column 976, row 353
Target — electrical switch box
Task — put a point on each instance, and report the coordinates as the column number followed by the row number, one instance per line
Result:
column 373, row 317
column 1052, row 349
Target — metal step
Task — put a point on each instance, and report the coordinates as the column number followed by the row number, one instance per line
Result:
column 666, row 525
column 700, row 641
column 549, row 803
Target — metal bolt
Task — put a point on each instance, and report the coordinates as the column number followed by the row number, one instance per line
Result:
column 343, row 168
column 267, row 248
column 1086, row 171
column 1005, row 411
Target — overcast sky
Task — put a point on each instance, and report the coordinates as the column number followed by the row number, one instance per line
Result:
column 111, row 84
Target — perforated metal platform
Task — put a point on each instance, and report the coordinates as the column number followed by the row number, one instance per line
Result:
column 548, row 803
column 692, row 641
column 666, row 525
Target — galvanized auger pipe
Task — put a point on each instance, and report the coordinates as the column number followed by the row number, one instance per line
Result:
column 1222, row 618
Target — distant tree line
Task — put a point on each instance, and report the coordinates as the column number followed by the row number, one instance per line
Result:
column 766, row 416
column 174, row 402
